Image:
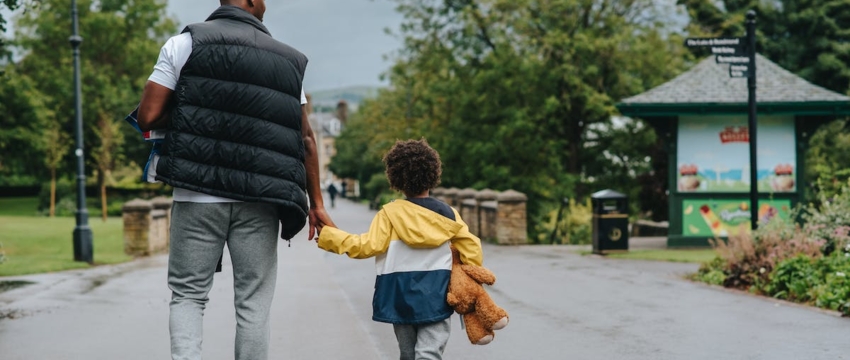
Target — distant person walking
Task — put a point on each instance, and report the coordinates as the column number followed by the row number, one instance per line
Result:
column 344, row 185
column 332, row 191
column 410, row 240
column 241, row 156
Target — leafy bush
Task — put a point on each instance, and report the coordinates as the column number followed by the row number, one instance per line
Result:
column 808, row 264
column 66, row 206
column 114, row 208
column 711, row 272
column 377, row 191
column 751, row 258
column 568, row 223
column 793, row 279
column 822, row 282
column 65, row 188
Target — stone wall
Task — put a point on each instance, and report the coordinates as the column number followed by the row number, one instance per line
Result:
column 467, row 207
column 146, row 226
column 511, row 222
column 492, row 216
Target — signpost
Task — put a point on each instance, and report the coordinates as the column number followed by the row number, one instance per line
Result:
column 740, row 54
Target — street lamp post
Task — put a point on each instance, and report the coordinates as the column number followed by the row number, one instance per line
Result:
column 82, row 232
column 752, row 120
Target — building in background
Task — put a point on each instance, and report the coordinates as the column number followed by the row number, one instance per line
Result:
column 326, row 127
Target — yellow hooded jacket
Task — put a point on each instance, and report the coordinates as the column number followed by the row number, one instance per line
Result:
column 413, row 259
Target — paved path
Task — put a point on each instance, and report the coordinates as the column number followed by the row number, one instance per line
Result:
column 562, row 306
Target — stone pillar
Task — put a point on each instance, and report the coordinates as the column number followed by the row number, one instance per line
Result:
column 146, row 227
column 511, row 221
column 488, row 211
column 137, row 226
column 466, row 201
column 450, row 197
column 483, row 196
column 164, row 203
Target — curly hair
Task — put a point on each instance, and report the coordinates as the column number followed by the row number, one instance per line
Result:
column 413, row 167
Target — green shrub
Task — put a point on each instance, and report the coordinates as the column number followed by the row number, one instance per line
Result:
column 65, row 188
column 114, row 208
column 793, row 279
column 11, row 179
column 568, row 223
column 822, row 282
column 750, row 259
column 66, row 206
column 711, row 272
column 834, row 291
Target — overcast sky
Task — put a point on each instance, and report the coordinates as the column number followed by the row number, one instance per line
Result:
column 344, row 39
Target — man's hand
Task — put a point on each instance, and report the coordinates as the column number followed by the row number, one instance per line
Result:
column 319, row 218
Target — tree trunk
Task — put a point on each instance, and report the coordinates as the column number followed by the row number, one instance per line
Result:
column 52, row 192
column 101, row 180
column 103, row 200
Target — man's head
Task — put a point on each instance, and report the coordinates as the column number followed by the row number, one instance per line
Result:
column 255, row 7
column 413, row 167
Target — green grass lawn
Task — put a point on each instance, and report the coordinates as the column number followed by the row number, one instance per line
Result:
column 672, row 255
column 37, row 244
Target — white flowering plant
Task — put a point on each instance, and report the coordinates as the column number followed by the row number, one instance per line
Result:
column 829, row 220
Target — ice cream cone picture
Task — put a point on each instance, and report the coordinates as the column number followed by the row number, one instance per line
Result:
column 783, row 179
column 688, row 180
column 713, row 221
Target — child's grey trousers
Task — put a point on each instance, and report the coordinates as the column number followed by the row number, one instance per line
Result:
column 423, row 342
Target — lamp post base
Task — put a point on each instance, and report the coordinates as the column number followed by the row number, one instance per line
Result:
column 83, row 244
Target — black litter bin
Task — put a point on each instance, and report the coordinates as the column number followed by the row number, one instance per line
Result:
column 610, row 221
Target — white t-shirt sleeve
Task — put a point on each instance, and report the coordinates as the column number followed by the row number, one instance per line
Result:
column 172, row 57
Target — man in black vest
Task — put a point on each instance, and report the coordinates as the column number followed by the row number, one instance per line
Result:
column 240, row 154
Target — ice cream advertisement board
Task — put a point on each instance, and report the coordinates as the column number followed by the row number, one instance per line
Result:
column 728, row 217
column 713, row 154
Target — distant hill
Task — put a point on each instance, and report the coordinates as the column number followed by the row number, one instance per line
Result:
column 354, row 95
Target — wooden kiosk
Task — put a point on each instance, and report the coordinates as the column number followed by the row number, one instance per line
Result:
column 702, row 117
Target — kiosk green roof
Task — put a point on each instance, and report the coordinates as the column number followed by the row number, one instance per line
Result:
column 708, row 89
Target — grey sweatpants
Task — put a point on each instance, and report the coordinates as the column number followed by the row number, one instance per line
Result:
column 423, row 342
column 198, row 234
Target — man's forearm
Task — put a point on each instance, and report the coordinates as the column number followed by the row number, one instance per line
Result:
column 154, row 109
column 311, row 164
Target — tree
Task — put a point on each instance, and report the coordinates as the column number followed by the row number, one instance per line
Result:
column 105, row 155
column 11, row 5
column 121, row 41
column 23, row 115
column 55, row 144
column 807, row 37
column 512, row 92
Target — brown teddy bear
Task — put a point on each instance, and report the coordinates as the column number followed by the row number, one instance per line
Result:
column 469, row 299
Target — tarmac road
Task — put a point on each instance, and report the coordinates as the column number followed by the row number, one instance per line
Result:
column 562, row 306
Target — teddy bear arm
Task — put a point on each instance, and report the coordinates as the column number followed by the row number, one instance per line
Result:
column 462, row 303
column 480, row 274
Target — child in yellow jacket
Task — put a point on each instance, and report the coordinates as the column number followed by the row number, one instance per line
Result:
column 410, row 241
